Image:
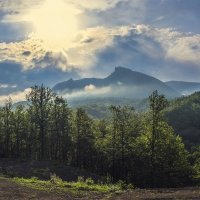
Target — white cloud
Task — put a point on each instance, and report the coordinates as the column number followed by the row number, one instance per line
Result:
column 16, row 96
column 24, row 52
column 81, row 54
column 90, row 88
column 89, row 91
column 185, row 49
column 7, row 86
column 182, row 47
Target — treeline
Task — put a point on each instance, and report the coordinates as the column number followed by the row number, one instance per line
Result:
column 137, row 148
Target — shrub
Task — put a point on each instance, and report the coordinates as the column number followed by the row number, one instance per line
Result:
column 80, row 179
column 89, row 181
column 55, row 179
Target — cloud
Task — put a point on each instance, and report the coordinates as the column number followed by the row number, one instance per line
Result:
column 90, row 88
column 16, row 96
column 32, row 52
column 159, row 38
column 14, row 51
column 163, row 53
column 146, row 49
column 185, row 49
column 180, row 14
column 7, row 86
column 89, row 91
column 96, row 5
column 16, row 78
column 18, row 6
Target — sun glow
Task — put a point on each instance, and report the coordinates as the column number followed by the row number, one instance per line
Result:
column 55, row 23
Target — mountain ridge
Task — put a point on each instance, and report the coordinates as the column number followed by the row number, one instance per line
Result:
column 184, row 87
column 122, row 79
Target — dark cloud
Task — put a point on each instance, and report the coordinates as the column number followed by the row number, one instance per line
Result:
column 26, row 53
column 89, row 40
column 13, row 74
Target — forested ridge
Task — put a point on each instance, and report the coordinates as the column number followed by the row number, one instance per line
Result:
column 138, row 148
column 183, row 115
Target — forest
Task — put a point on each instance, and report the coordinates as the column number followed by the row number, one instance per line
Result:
column 140, row 148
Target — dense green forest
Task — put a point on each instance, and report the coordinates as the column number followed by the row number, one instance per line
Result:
column 183, row 114
column 138, row 148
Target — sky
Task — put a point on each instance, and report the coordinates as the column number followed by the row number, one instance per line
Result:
column 48, row 41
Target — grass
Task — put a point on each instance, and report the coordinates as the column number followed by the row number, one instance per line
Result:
column 80, row 188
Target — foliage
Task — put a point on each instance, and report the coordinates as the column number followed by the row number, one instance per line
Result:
column 127, row 148
column 183, row 115
column 61, row 186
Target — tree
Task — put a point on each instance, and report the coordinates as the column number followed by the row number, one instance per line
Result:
column 170, row 159
column 7, row 128
column 157, row 104
column 40, row 101
column 124, row 130
column 84, row 140
column 19, row 129
column 161, row 158
column 60, row 128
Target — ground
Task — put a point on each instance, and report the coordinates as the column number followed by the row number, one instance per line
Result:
column 10, row 190
column 69, row 187
column 161, row 194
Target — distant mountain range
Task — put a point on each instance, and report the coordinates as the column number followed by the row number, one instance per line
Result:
column 123, row 82
column 185, row 88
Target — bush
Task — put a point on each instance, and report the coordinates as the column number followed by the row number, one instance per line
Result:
column 55, row 179
column 89, row 181
column 80, row 179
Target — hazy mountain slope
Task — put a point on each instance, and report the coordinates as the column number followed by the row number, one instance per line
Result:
column 99, row 107
column 184, row 88
column 122, row 82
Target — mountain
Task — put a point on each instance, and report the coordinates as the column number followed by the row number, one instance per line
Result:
column 123, row 82
column 185, row 88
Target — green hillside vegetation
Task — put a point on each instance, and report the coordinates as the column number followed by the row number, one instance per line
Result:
column 183, row 115
column 140, row 149
column 98, row 108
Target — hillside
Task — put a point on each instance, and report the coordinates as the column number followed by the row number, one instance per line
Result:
column 98, row 108
column 122, row 82
column 185, row 88
column 184, row 116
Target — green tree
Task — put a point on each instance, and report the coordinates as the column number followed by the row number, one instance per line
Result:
column 7, row 128
column 84, row 140
column 60, row 129
column 40, row 101
column 19, row 129
column 124, row 129
column 170, row 158
column 160, row 153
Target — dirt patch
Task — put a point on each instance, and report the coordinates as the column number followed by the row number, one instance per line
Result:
column 158, row 194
